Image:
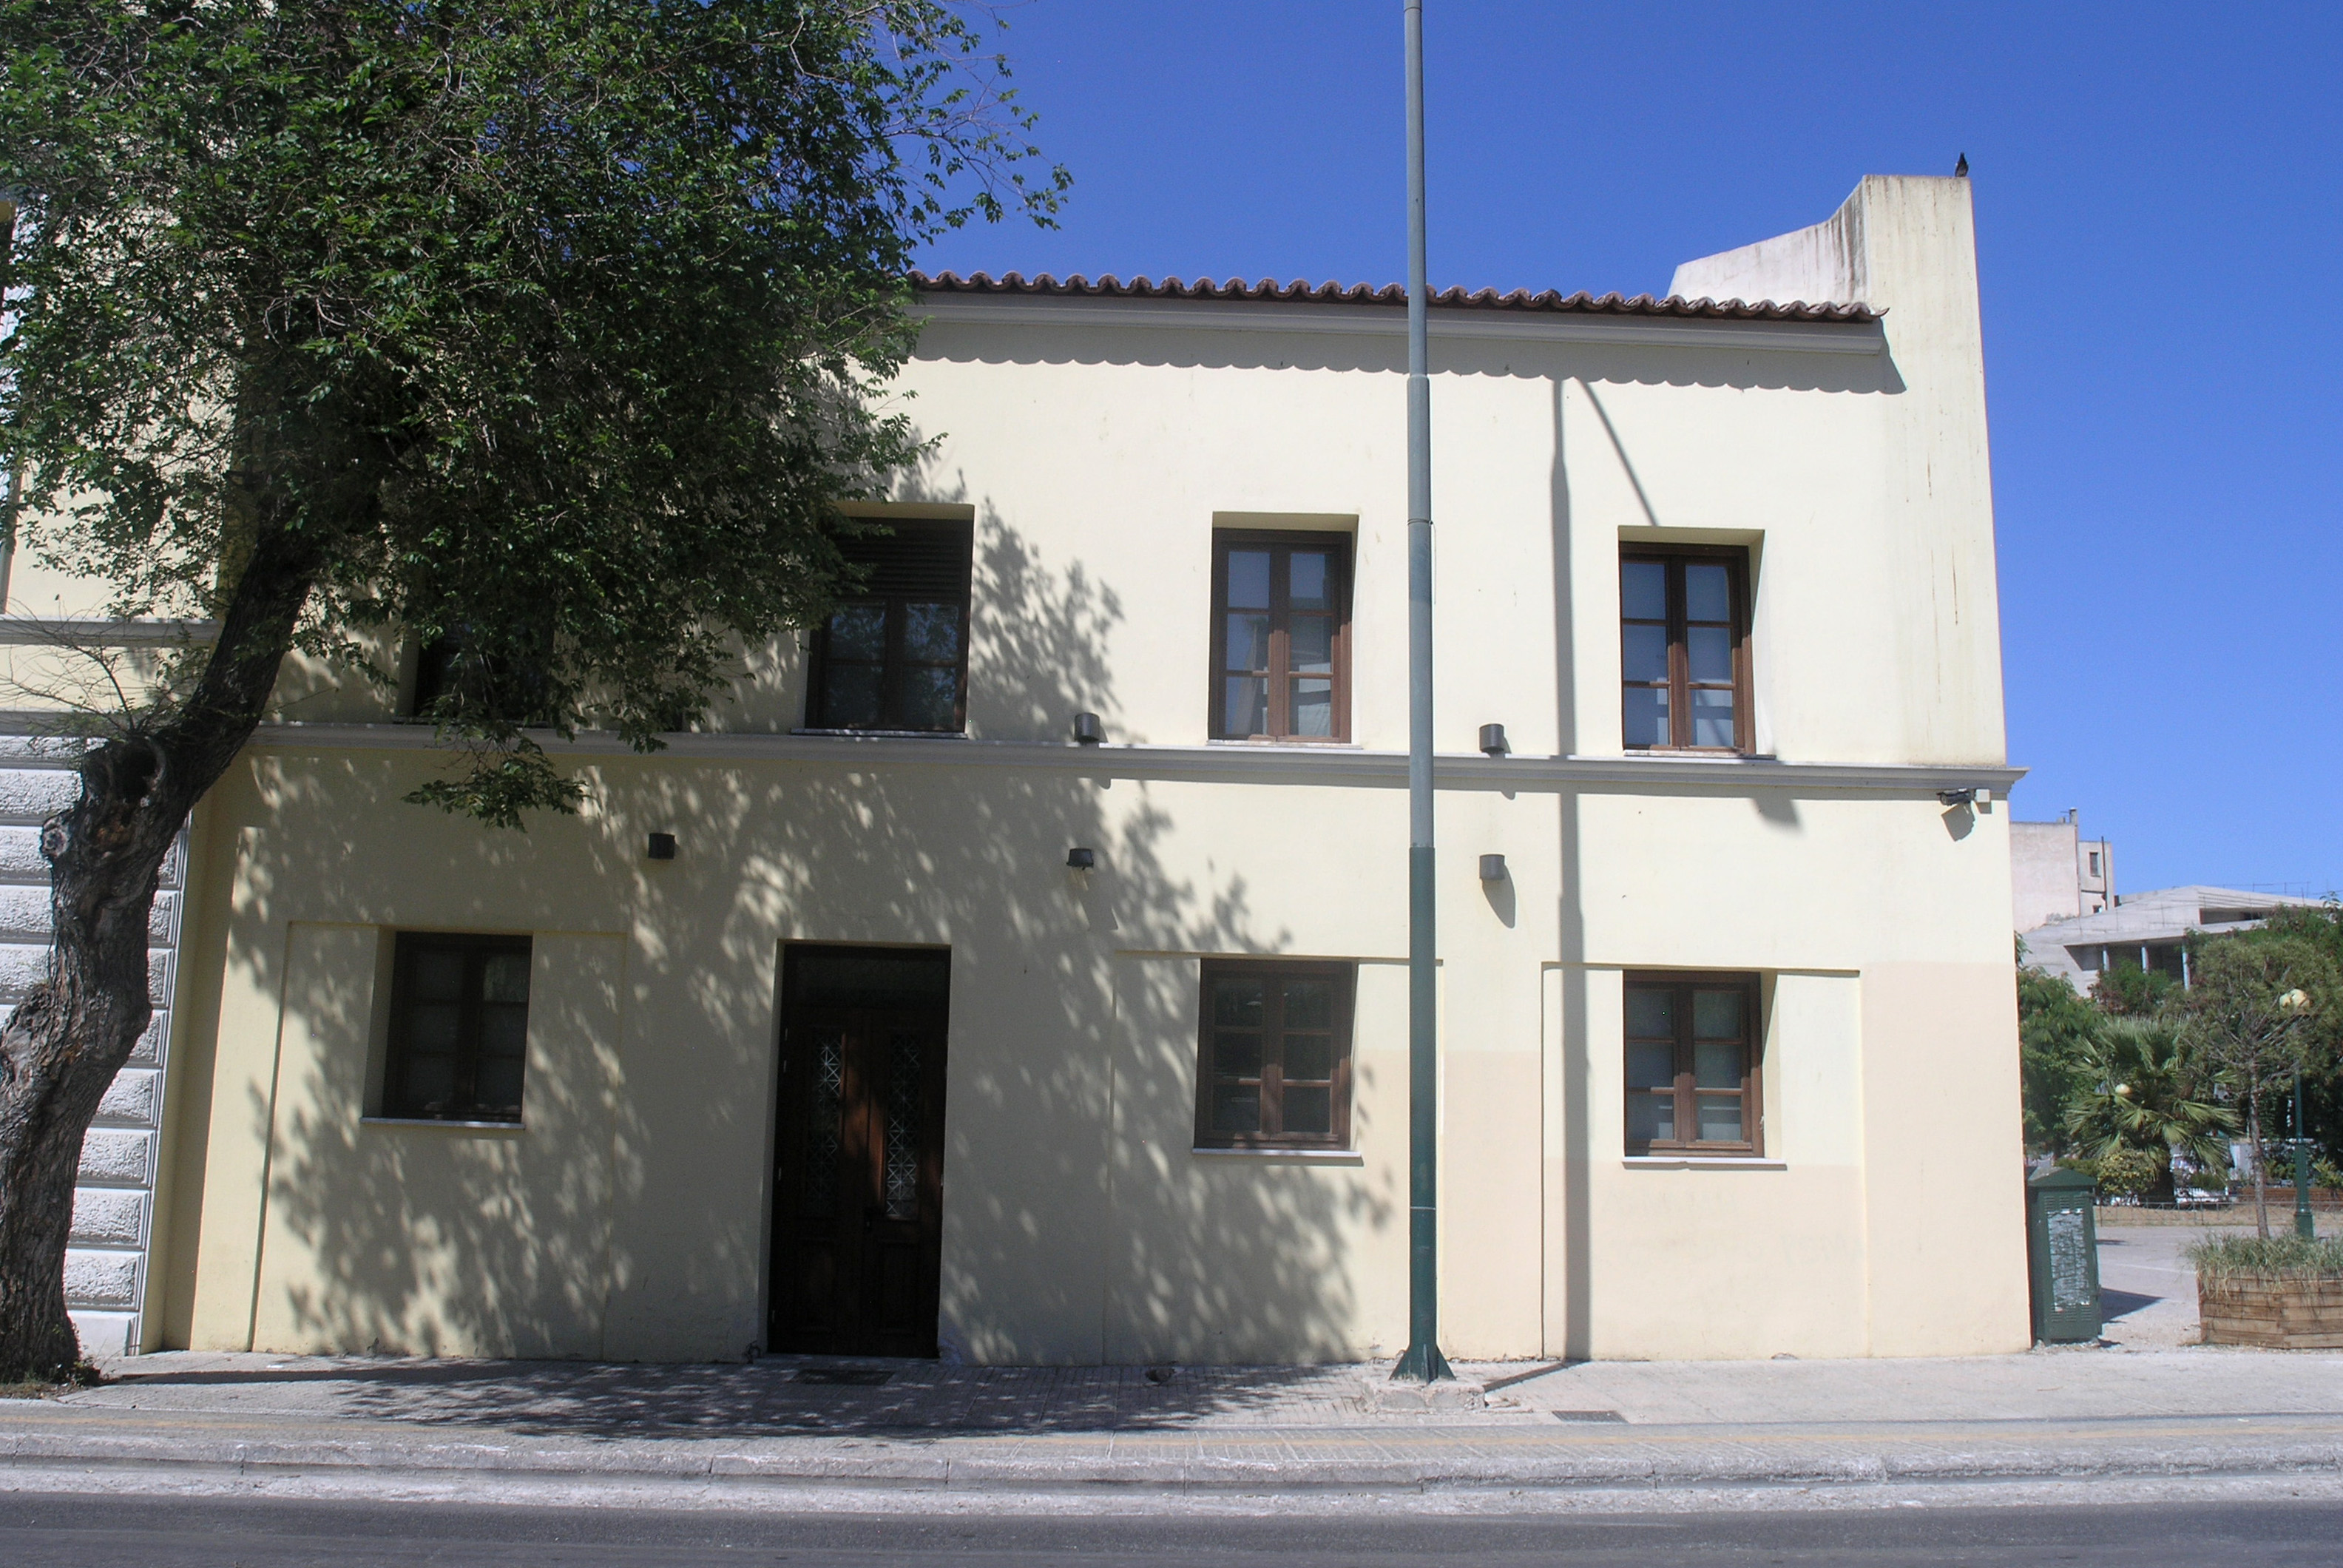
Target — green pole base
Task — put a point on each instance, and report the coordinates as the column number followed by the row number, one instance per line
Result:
column 1422, row 1363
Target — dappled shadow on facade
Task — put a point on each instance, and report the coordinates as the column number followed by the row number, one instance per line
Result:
column 629, row 1219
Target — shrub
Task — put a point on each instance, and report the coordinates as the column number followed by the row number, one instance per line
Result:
column 2127, row 1172
column 2219, row 1259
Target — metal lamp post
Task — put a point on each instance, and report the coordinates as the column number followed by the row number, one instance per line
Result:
column 2295, row 1004
column 1423, row 1362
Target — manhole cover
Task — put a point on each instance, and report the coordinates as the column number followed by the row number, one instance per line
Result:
column 844, row 1377
column 1588, row 1415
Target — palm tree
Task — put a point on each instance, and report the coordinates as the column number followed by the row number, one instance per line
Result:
column 2140, row 1092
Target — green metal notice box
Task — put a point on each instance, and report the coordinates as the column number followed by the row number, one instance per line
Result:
column 2062, row 1256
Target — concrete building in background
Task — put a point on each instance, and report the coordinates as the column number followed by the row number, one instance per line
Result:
column 2149, row 930
column 884, row 1015
column 2056, row 874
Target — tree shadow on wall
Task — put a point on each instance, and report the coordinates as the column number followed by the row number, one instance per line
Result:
column 630, row 1219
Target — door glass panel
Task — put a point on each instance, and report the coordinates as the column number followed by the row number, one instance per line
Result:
column 1313, row 644
column 858, row 631
column 1236, row 1055
column 1708, row 592
column 1309, row 1110
column 902, row 1162
column 1651, row 1118
column 1652, row 1014
column 1715, row 1065
column 851, row 696
column 1709, row 650
column 1313, row 708
column 1642, row 590
column 1238, row 1002
column 929, row 695
column 1247, row 705
column 430, row 1082
column 1249, row 579
column 1236, row 1108
column 1309, row 1057
column 1712, row 717
column 931, row 632
column 1651, row 1066
column 1306, row 586
column 1720, row 1118
column 1644, row 653
column 1309, row 1004
column 431, row 1030
column 822, row 1125
column 1716, row 1014
column 439, row 976
column 1644, row 721
column 1248, row 642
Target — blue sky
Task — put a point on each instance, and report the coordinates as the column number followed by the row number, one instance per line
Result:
column 2160, row 214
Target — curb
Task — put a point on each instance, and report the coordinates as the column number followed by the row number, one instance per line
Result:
column 1623, row 1462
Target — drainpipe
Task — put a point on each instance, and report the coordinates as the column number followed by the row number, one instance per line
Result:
column 1423, row 1362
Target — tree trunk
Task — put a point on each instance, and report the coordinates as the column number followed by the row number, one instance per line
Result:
column 2261, row 1166
column 77, row 1028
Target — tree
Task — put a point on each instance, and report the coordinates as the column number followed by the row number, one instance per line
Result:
column 2055, row 1032
column 2140, row 1092
column 546, row 329
column 2263, row 1006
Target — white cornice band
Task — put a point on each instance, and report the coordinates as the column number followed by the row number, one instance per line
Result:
column 1323, row 765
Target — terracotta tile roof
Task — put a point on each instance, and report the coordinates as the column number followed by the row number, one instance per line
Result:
column 1391, row 294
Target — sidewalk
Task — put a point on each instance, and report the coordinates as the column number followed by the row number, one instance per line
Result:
column 492, row 1427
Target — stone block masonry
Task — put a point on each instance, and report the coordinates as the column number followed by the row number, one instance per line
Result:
column 107, row 1261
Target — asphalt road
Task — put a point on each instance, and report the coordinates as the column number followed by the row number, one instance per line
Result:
column 196, row 1533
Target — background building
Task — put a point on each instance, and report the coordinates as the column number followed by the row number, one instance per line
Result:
column 2056, row 874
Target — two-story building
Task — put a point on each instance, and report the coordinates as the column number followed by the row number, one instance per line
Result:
column 888, row 1014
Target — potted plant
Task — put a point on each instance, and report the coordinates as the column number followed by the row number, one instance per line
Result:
column 2280, row 1292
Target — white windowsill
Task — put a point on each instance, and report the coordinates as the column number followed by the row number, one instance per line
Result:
column 442, row 1122
column 1702, row 1163
column 1291, row 1156
column 886, row 734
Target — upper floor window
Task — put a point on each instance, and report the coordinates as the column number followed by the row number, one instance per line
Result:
column 457, row 666
column 1683, row 648
column 894, row 653
column 458, row 1027
column 1281, row 636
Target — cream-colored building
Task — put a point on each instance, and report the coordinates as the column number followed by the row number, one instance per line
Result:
column 806, row 1034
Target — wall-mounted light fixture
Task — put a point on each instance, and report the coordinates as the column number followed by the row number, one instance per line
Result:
column 1493, row 740
column 1080, row 859
column 661, row 846
column 1492, row 868
column 1090, row 730
column 1956, row 797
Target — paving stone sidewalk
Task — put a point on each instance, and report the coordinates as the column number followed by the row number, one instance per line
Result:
column 806, row 1421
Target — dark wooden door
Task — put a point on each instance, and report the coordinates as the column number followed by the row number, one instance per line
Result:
column 858, row 1200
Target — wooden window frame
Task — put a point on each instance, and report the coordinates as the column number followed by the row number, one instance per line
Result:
column 1676, row 557
column 1686, row 1107
column 397, row 1104
column 892, row 662
column 1344, row 977
column 1343, row 548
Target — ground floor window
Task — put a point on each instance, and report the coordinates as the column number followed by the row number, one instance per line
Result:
column 458, row 1027
column 1692, row 1064
column 1274, row 1055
